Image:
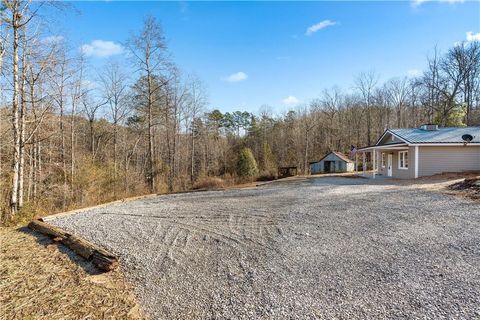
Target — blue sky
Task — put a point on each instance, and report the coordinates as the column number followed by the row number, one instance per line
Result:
column 254, row 53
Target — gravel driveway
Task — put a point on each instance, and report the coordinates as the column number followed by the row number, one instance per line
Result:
column 325, row 248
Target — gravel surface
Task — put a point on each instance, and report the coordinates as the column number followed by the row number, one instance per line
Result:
column 325, row 248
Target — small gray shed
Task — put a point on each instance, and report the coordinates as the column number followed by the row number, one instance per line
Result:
column 332, row 162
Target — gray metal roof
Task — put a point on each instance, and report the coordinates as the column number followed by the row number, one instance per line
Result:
column 442, row 135
column 339, row 155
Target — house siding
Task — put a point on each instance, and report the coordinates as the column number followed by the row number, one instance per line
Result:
column 433, row 160
column 404, row 173
column 396, row 172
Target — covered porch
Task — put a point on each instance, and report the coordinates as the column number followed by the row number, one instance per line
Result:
column 397, row 160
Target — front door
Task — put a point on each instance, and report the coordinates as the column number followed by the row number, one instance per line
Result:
column 389, row 164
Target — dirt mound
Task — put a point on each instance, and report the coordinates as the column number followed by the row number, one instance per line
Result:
column 469, row 187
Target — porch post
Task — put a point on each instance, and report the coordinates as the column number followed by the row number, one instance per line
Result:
column 416, row 162
column 356, row 162
column 364, row 164
column 374, row 156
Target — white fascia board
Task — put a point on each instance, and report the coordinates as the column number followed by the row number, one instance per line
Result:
column 386, row 146
column 446, row 144
column 393, row 134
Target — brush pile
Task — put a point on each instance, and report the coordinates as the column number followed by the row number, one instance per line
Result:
column 469, row 187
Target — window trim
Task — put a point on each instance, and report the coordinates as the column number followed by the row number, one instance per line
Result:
column 400, row 156
column 382, row 158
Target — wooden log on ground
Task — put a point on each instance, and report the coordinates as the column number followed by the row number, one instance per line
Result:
column 100, row 257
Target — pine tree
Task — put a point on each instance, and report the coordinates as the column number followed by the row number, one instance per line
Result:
column 247, row 165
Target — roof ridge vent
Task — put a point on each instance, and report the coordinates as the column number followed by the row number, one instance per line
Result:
column 429, row 127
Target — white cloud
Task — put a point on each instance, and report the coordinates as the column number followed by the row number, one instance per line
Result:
column 416, row 3
column 100, row 48
column 413, row 72
column 319, row 26
column 236, row 77
column 290, row 101
column 52, row 39
column 473, row 36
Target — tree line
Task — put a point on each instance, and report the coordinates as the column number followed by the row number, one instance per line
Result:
column 70, row 139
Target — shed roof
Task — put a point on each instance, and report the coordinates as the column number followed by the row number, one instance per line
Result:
column 441, row 135
column 340, row 155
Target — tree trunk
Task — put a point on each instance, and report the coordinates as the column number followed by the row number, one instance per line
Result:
column 151, row 164
column 21, row 167
column 305, row 163
column 63, row 154
column 15, row 115
column 30, row 175
column 92, row 138
column 369, row 124
column 72, row 148
column 192, row 157
column 115, row 160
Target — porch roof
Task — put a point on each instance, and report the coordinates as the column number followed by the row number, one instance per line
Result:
column 391, row 146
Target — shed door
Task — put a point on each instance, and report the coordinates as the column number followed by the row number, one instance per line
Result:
column 328, row 166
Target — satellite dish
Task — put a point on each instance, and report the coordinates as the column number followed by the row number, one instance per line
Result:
column 467, row 138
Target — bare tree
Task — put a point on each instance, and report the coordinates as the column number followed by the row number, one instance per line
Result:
column 60, row 82
column 91, row 106
column 114, row 89
column 77, row 92
column 329, row 105
column 197, row 100
column 468, row 56
column 148, row 50
column 366, row 83
column 397, row 90
column 18, row 14
column 307, row 124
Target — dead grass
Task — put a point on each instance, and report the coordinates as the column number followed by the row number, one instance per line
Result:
column 209, row 183
column 42, row 280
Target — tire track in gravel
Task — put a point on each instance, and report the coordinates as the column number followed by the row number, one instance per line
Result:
column 239, row 237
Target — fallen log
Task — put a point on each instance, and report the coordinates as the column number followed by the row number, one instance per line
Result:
column 100, row 257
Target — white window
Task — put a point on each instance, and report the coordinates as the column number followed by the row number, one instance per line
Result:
column 383, row 159
column 403, row 160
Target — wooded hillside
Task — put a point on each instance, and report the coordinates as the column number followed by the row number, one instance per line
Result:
column 70, row 140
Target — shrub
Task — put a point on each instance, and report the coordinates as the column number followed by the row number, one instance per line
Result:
column 246, row 164
column 209, row 183
column 267, row 177
column 23, row 216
